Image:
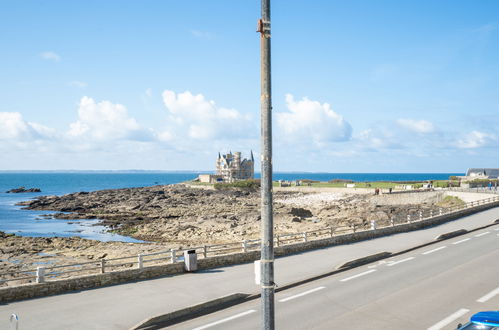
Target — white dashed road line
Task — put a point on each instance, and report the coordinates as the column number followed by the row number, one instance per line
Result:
column 393, row 263
column 302, row 294
column 449, row 319
column 462, row 241
column 496, row 229
column 434, row 250
column 489, row 295
column 206, row 326
column 478, row 235
column 358, row 275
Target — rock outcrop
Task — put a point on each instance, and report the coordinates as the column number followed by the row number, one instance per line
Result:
column 183, row 216
column 23, row 190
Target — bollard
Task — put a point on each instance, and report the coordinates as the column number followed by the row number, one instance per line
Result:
column 440, row 211
column 392, row 222
column 103, row 266
column 420, row 215
column 373, row 224
column 431, row 213
column 277, row 240
column 305, row 238
column 40, row 274
column 14, row 322
column 331, row 231
column 174, row 257
column 245, row 246
column 205, row 251
column 140, row 261
column 409, row 218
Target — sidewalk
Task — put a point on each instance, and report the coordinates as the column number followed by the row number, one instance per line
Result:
column 123, row 306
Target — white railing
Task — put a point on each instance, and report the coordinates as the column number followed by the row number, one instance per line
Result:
column 47, row 273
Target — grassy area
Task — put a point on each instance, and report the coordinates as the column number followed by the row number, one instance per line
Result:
column 381, row 185
column 254, row 184
column 246, row 184
column 450, row 201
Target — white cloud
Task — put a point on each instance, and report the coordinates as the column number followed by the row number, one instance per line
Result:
column 148, row 92
column 50, row 56
column 312, row 121
column 418, row 126
column 79, row 84
column 378, row 138
column 202, row 34
column 475, row 139
column 487, row 28
column 202, row 119
column 105, row 121
column 14, row 128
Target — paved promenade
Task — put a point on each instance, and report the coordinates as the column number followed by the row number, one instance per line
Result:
column 122, row 306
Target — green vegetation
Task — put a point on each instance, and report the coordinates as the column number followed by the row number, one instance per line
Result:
column 482, row 181
column 197, row 183
column 340, row 183
column 451, row 201
column 246, row 185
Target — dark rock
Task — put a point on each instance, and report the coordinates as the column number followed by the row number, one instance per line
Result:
column 23, row 190
column 300, row 212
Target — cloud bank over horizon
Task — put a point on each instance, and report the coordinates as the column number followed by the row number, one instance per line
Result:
column 197, row 127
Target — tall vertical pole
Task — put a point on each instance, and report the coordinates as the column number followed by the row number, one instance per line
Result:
column 267, row 227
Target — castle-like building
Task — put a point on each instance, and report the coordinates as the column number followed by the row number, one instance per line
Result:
column 231, row 167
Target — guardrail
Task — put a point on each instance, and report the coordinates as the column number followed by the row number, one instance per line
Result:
column 50, row 273
column 482, row 190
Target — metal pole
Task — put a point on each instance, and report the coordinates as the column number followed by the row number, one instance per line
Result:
column 267, row 228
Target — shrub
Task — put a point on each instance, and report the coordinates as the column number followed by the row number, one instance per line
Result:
column 243, row 184
column 341, row 181
column 309, row 181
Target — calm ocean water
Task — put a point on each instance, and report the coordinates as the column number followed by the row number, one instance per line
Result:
column 29, row 223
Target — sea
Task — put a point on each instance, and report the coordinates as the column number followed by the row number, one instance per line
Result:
column 13, row 219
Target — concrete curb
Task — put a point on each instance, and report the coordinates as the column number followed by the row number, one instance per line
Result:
column 365, row 260
column 451, row 234
column 340, row 269
column 160, row 321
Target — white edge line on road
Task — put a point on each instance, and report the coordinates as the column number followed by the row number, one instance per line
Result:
column 449, row 319
column 478, row 235
column 358, row 275
column 462, row 241
column 225, row 320
column 302, row 294
column 399, row 261
column 434, row 250
column 496, row 229
column 489, row 295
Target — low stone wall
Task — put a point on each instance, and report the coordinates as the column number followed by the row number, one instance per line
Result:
column 34, row 290
column 409, row 197
column 92, row 281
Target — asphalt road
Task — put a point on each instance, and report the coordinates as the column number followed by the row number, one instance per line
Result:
column 435, row 287
column 125, row 305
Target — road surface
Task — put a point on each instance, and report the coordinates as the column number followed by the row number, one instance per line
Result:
column 435, row 287
column 125, row 305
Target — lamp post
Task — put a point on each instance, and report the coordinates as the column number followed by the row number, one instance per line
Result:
column 267, row 227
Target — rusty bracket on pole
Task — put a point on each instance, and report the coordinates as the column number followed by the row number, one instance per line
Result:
column 263, row 27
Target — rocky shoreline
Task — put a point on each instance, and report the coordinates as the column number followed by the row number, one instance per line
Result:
column 179, row 216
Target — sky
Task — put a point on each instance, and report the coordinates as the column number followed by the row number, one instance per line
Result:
column 357, row 86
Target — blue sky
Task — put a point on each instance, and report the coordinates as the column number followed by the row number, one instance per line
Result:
column 358, row 86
